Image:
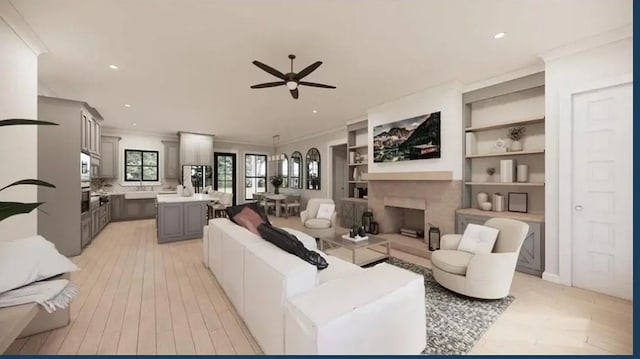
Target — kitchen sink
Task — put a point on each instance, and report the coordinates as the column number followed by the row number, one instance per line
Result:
column 145, row 194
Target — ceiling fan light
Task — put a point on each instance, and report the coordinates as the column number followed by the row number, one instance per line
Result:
column 292, row 85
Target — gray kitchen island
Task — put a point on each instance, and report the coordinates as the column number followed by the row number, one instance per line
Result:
column 181, row 218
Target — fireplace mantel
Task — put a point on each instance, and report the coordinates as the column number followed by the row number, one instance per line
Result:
column 409, row 176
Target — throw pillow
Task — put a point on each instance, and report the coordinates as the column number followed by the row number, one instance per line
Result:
column 249, row 219
column 289, row 243
column 233, row 210
column 478, row 239
column 28, row 260
column 325, row 211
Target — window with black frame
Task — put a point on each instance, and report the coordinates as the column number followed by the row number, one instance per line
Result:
column 255, row 175
column 313, row 169
column 141, row 166
column 284, row 170
column 295, row 171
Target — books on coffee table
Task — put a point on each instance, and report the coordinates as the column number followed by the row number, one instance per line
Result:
column 355, row 239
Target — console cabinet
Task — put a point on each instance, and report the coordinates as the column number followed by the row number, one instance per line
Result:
column 350, row 211
column 531, row 259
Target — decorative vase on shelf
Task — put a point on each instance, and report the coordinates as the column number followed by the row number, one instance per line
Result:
column 522, row 173
column 515, row 146
column 482, row 197
column 356, row 174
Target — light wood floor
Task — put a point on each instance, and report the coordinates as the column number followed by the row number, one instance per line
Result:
column 138, row 297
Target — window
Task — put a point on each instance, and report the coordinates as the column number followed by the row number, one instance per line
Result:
column 140, row 165
column 313, row 169
column 284, row 170
column 295, row 173
column 255, row 175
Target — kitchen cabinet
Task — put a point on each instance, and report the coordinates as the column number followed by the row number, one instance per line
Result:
column 139, row 208
column 110, row 149
column 196, row 149
column 95, row 219
column 90, row 129
column 180, row 220
column 117, row 207
column 85, row 229
column 171, row 159
column 531, row 258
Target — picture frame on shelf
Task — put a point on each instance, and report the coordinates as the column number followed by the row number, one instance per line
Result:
column 518, row 202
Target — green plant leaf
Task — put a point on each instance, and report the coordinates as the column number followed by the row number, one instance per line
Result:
column 34, row 182
column 9, row 209
column 23, row 121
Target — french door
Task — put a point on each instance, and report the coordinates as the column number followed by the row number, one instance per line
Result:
column 224, row 173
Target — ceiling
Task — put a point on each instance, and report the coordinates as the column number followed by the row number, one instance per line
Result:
column 186, row 64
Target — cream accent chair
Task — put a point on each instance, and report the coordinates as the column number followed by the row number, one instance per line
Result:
column 486, row 276
column 315, row 227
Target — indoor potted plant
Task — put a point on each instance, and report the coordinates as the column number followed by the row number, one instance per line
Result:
column 276, row 182
column 516, row 134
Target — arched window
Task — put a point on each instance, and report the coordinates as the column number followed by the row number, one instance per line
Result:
column 313, row 169
column 284, row 170
column 295, row 170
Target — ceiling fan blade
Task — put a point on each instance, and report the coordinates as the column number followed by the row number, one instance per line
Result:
column 307, row 70
column 270, row 70
column 294, row 93
column 313, row 84
column 268, row 84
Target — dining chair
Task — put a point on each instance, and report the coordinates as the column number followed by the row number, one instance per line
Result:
column 291, row 202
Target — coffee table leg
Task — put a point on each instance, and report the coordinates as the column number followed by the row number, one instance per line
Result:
column 353, row 256
column 321, row 244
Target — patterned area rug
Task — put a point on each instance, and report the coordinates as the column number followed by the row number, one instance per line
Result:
column 454, row 322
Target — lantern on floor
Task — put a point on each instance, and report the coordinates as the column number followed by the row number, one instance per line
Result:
column 434, row 237
column 367, row 219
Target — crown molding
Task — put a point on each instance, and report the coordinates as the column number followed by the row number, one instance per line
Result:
column 20, row 27
column 602, row 39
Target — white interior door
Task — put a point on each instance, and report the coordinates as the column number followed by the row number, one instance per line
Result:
column 602, row 243
column 339, row 173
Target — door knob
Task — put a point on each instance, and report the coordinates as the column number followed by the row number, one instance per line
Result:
column 578, row 208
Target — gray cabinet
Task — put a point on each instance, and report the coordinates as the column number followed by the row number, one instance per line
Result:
column 196, row 149
column 350, row 212
column 531, row 258
column 139, row 208
column 180, row 221
column 85, row 229
column 117, row 207
column 171, row 159
column 109, row 157
column 95, row 220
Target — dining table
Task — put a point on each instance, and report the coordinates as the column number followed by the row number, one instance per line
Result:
column 277, row 198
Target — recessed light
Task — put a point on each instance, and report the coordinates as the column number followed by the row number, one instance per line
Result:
column 134, row 124
column 127, row 105
column 113, row 67
column 499, row 35
column 315, row 111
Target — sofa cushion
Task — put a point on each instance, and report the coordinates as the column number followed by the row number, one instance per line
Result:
column 451, row 261
column 315, row 223
column 338, row 268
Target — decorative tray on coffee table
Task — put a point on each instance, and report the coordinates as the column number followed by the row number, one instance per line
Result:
column 355, row 239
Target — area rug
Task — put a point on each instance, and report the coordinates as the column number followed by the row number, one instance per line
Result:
column 454, row 322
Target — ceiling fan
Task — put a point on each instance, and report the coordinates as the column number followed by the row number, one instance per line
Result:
column 291, row 79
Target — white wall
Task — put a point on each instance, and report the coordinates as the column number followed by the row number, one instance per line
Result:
column 18, row 144
column 445, row 98
column 562, row 74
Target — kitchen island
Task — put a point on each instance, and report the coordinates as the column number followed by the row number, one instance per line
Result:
column 181, row 218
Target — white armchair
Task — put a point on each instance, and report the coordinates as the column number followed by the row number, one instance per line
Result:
column 316, row 227
column 486, row 276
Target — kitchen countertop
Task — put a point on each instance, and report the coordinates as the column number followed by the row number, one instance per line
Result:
column 174, row 198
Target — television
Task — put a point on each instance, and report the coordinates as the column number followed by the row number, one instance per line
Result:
column 415, row 138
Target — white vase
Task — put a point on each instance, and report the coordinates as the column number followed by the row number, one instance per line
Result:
column 516, row 146
column 356, row 174
column 482, row 197
column 522, row 173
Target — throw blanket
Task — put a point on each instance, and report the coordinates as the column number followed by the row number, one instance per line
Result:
column 51, row 294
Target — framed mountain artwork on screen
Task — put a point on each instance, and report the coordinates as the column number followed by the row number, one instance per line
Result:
column 415, row 138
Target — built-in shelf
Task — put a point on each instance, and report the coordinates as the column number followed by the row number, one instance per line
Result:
column 531, row 217
column 358, row 164
column 359, row 147
column 505, row 125
column 513, row 184
column 504, row 154
column 358, row 182
column 409, row 176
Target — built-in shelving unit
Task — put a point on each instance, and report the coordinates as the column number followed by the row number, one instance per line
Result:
column 502, row 184
column 505, row 125
column 358, row 148
column 507, row 154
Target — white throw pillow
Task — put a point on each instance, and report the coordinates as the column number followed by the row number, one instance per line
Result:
column 478, row 239
column 28, row 260
column 325, row 211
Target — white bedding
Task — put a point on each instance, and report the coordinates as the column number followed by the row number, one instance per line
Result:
column 50, row 294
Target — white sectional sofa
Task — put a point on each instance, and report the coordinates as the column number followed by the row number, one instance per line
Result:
column 292, row 308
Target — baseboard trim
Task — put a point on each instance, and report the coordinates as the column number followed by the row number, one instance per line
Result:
column 550, row 277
